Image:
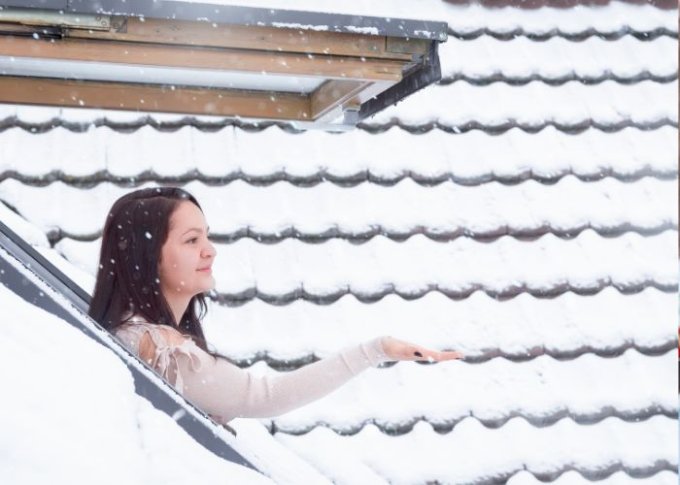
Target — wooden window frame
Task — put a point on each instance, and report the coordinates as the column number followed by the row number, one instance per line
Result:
column 351, row 68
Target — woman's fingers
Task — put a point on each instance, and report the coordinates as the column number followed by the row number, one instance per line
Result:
column 451, row 355
column 401, row 350
column 448, row 355
column 435, row 356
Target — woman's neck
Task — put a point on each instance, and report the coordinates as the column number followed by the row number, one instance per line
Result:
column 178, row 305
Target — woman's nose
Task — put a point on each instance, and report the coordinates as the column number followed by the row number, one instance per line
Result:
column 209, row 250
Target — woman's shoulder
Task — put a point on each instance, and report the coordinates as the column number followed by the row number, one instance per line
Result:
column 160, row 334
column 133, row 326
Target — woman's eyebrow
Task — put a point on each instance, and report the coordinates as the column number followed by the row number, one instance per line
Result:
column 198, row 229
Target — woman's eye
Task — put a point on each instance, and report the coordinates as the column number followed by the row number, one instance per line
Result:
column 193, row 239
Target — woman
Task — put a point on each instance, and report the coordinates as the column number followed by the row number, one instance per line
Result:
column 154, row 270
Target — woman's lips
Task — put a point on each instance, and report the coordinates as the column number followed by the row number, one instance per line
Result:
column 206, row 270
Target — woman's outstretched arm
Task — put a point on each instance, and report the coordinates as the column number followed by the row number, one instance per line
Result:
column 226, row 391
column 231, row 392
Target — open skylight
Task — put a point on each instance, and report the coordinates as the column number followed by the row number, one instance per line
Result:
column 184, row 57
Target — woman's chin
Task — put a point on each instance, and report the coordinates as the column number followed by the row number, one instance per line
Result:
column 210, row 286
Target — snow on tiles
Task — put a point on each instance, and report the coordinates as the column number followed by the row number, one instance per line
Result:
column 536, row 105
column 482, row 327
column 273, row 154
column 557, row 59
column 573, row 477
column 425, row 454
column 367, row 210
column 381, row 266
column 52, row 428
column 541, row 390
column 522, row 211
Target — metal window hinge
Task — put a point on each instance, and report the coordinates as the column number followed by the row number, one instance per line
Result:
column 49, row 18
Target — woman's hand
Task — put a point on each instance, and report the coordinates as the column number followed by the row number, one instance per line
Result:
column 400, row 350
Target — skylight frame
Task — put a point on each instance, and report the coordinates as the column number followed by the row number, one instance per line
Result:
column 353, row 74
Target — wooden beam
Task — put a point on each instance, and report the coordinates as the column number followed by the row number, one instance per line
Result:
column 273, row 39
column 330, row 67
column 136, row 97
column 418, row 47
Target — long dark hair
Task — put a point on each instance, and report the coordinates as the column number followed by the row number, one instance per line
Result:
column 128, row 279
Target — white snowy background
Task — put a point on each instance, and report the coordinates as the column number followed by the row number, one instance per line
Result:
column 523, row 210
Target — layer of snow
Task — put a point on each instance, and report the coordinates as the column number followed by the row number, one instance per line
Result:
column 27, row 231
column 280, row 462
column 84, row 279
column 232, row 152
column 358, row 397
column 484, row 393
column 612, row 17
column 490, row 209
column 419, row 264
column 586, row 387
column 254, row 443
column 472, row 450
column 319, row 28
column 479, row 325
column 555, row 58
column 56, row 411
column 572, row 477
column 536, row 103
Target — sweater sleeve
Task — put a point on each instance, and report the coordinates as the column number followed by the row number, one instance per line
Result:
column 226, row 391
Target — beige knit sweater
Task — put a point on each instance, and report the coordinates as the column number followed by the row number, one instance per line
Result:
column 225, row 391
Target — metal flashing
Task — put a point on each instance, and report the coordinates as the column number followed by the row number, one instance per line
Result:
column 264, row 17
column 30, row 4
column 54, row 18
column 429, row 73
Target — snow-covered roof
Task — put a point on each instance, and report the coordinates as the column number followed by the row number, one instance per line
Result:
column 49, row 388
column 523, row 211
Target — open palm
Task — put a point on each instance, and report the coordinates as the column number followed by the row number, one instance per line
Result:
column 400, row 350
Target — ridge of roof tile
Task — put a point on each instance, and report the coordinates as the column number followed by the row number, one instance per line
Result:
column 282, row 272
column 607, row 206
column 347, row 159
column 573, row 477
column 451, row 457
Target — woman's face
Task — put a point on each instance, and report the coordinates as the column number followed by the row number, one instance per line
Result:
column 186, row 253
